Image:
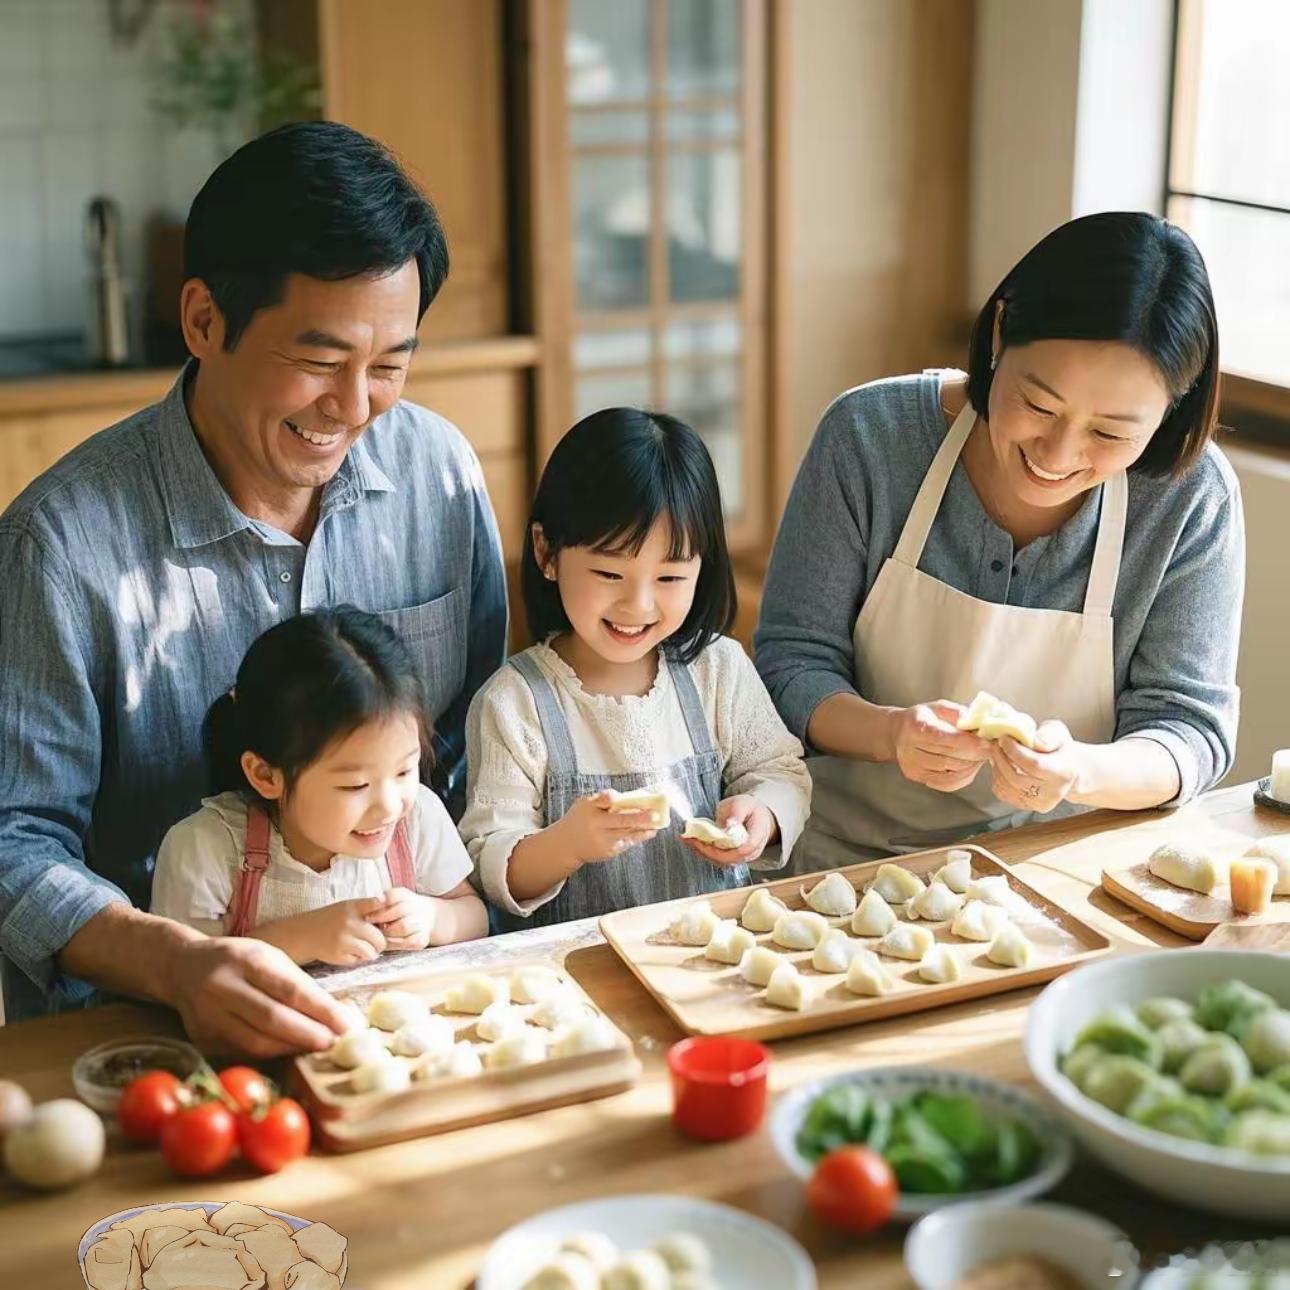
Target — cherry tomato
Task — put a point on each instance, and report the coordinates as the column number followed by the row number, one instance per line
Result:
column 854, row 1189
column 147, row 1103
column 246, row 1086
column 199, row 1140
column 275, row 1138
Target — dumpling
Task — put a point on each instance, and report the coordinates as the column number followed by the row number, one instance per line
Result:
column 273, row 1249
column 786, row 989
column 1259, row 1095
column 381, row 1077
column 1178, row 1040
column 937, row 904
column 1011, row 948
column 759, row 964
column 835, row 952
column 325, row 1246
column 568, row 1270
column 1159, row 1011
column 978, row 921
column 1180, row 1115
column 994, row 890
column 730, row 838
column 534, row 982
column 499, row 1020
column 896, row 885
column 873, row 917
column 477, row 992
column 112, row 1263
column 1266, row 1039
column 592, row 1034
column 1228, row 1005
column 762, row 911
column 684, row 1252
column 1116, row 1080
column 1264, row 1133
column 729, row 942
column 956, row 872
column 460, row 1062
column 992, row 718
column 391, row 1009
column 1252, row 881
column 1276, row 849
column 1218, row 1067
column 596, row 1247
column 432, row 1034
column 523, row 1048
column 308, row 1276
column 643, row 1270
column 155, row 1237
column 357, row 1048
column 653, row 800
column 1118, row 1030
column 1079, row 1061
column 204, row 1259
column 695, row 924
column 560, row 1009
column 1191, row 870
column 906, row 941
column 799, row 930
column 940, row 965
column 866, row 975
column 834, row 896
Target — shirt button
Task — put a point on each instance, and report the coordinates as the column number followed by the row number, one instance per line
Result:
column 284, row 576
column 997, row 565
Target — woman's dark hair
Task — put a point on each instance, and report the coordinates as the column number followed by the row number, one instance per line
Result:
column 1117, row 276
column 314, row 197
column 609, row 480
column 304, row 684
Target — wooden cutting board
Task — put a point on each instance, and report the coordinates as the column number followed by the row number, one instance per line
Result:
column 708, row 998
column 348, row 1121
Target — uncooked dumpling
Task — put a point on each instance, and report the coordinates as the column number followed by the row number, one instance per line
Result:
column 1191, row 870
column 786, row 989
column 1010, row 947
column 534, row 982
column 590, row 1034
column 762, row 911
column 499, row 1020
column 896, row 885
column 759, row 964
column 568, row 1270
column 937, row 904
column 459, row 1062
column 834, row 897
column 835, row 952
column 357, row 1048
column 940, row 965
column 558, row 1010
column 524, row 1048
column 477, row 992
column 596, row 1247
column 391, row 1009
column 992, row 718
column 432, row 1034
column 956, row 872
column 381, row 1077
column 907, row 941
column 729, row 942
column 1276, row 849
column 994, row 890
column 799, row 930
column 684, row 1252
column 695, row 924
column 979, row 921
column 866, row 975
column 652, row 800
column 644, row 1270
column 702, row 829
column 873, row 916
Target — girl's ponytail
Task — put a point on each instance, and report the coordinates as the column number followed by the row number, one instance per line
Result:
column 223, row 743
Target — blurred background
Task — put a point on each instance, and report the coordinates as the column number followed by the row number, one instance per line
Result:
column 730, row 209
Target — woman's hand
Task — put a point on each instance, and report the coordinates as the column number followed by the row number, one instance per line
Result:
column 930, row 749
column 406, row 919
column 592, row 832
column 1041, row 778
column 756, row 817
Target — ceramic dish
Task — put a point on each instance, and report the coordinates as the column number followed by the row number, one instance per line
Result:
column 897, row 1081
column 1263, row 796
column 101, row 1073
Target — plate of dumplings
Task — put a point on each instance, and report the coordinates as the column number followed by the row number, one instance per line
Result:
column 867, row 941
column 646, row 1242
column 461, row 1048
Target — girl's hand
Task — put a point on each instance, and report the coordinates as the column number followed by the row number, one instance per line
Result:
column 755, row 816
column 341, row 934
column 1041, row 778
column 592, row 832
column 406, row 919
column 930, row 749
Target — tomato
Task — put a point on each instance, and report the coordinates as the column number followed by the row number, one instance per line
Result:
column 854, row 1189
column 147, row 1103
column 246, row 1086
column 199, row 1140
column 275, row 1138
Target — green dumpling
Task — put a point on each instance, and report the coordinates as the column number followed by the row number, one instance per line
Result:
column 1265, row 1133
column 1079, row 1061
column 1266, row 1039
column 1180, row 1115
column 1178, row 1040
column 1280, row 1077
column 1154, row 1013
column 1259, row 1095
column 1118, row 1030
column 1229, row 1004
column 1218, row 1067
column 1116, row 1080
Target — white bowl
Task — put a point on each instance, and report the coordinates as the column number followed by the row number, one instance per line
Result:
column 897, row 1081
column 1196, row 1173
column 944, row 1247
column 748, row 1253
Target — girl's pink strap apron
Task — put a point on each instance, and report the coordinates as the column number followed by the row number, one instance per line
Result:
column 255, row 860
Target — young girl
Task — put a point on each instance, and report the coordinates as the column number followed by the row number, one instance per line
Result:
column 320, row 838
column 627, row 583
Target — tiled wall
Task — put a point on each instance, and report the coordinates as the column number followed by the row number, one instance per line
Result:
column 75, row 122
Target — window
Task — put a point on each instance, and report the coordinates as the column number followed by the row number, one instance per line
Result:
column 1228, row 174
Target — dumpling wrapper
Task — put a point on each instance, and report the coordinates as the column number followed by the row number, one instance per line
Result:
column 1010, row 947
column 979, row 921
column 866, row 975
column 762, row 911
column 652, row 800
column 1276, row 849
column 956, row 872
column 534, row 982
column 695, row 924
column 461, row 1061
column 786, row 989
column 156, row 1237
column 274, row 1251
column 204, row 1261
column 833, row 896
column 729, row 942
column 112, row 1263
column 1190, row 870
column 758, row 965
column 702, row 829
column 873, row 916
column 896, row 885
column 433, row 1034
column 835, row 952
column 936, row 904
column 799, row 929
column 390, row 1010
column 357, row 1048
column 940, row 965
column 194, row 1220
column 307, row 1275
column 237, row 1212
column 992, row 718
column 907, row 941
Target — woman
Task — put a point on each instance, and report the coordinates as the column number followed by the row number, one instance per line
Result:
column 1056, row 527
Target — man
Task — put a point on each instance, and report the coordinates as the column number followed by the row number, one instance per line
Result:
column 281, row 473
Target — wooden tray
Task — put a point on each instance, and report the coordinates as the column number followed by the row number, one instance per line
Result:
column 346, row 1121
column 707, row 998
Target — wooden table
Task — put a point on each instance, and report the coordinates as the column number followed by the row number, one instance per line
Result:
column 420, row 1215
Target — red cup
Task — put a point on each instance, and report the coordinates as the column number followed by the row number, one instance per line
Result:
column 718, row 1086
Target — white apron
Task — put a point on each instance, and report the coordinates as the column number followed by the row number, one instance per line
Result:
column 917, row 640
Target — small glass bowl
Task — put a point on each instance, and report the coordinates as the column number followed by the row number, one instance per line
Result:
column 101, row 1073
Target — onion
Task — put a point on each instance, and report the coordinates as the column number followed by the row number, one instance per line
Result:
column 60, row 1144
column 15, row 1106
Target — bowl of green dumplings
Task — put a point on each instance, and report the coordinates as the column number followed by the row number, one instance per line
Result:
column 1173, row 1068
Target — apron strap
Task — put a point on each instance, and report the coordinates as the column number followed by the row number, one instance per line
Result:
column 913, row 537
column 255, row 860
column 398, row 859
column 696, row 723
column 1105, row 570
column 555, row 729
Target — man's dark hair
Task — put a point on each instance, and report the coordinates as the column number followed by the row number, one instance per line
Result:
column 314, row 197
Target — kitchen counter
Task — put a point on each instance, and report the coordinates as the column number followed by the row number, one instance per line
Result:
column 420, row 1215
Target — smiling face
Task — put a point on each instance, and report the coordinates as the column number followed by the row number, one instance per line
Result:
column 1067, row 414
column 277, row 414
